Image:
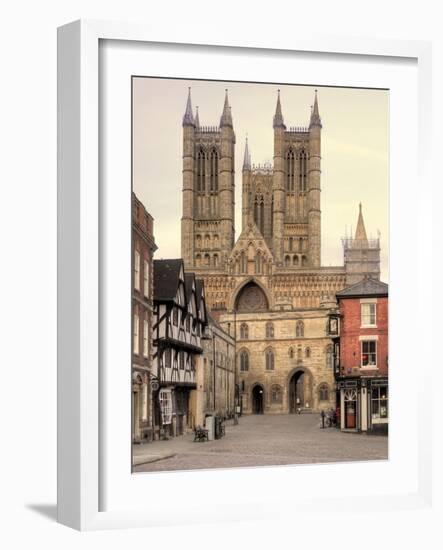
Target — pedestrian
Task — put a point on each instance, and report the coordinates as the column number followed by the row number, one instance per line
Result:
column 322, row 416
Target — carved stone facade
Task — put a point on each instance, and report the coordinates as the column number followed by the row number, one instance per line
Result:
column 272, row 273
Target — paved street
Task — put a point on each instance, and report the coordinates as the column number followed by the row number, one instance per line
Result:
column 261, row 440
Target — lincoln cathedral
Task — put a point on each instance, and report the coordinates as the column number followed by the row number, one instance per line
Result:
column 267, row 287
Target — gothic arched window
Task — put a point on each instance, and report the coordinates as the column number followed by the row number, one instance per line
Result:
column 329, row 356
column 198, row 260
column 287, row 261
column 269, row 330
column 198, row 241
column 207, row 260
column 214, row 171
column 291, row 244
column 258, row 263
column 215, row 260
column 290, row 170
column 243, row 262
column 276, row 394
column 302, row 170
column 244, row 361
column 299, row 329
column 323, row 392
column 308, row 353
column 201, row 171
column 291, row 353
column 269, row 359
column 244, row 331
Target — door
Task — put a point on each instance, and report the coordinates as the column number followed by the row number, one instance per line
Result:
column 257, row 400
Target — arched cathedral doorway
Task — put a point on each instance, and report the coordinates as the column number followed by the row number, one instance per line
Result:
column 300, row 391
column 257, row 399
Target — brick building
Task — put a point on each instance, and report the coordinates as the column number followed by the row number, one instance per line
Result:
column 143, row 248
column 362, row 369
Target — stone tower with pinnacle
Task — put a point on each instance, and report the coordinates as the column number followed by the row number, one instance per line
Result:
column 361, row 255
column 207, row 230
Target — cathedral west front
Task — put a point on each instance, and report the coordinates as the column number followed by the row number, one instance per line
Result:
column 267, row 287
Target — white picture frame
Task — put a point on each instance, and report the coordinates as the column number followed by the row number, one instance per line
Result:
column 82, row 401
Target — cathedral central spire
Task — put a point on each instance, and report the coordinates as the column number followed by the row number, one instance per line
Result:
column 247, row 157
column 188, row 117
column 226, row 118
column 278, row 117
column 360, row 232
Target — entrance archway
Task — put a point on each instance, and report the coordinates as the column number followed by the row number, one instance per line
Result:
column 257, row 399
column 300, row 391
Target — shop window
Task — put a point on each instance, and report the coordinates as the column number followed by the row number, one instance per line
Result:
column 379, row 402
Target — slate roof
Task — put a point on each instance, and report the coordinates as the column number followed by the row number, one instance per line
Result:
column 189, row 279
column 166, row 278
column 366, row 287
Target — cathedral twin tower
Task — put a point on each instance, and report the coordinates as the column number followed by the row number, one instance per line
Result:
column 283, row 201
column 279, row 248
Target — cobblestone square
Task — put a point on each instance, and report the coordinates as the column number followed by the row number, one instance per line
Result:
column 261, row 440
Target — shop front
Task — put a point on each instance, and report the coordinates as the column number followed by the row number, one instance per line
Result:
column 364, row 404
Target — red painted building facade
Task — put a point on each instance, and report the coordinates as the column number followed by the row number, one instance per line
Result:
column 361, row 368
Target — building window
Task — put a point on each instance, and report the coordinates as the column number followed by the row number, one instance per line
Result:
column 181, row 360
column 175, row 315
column 201, row 171
column 198, row 241
column 290, row 169
column 369, row 353
column 243, row 262
column 269, row 360
column 244, row 331
column 167, row 358
column 207, row 260
column 276, row 394
column 214, row 171
column 244, row 361
column 137, row 270
column 146, row 279
column 269, row 330
column 308, row 353
column 303, row 170
column 379, row 402
column 287, row 261
column 291, row 353
column 145, row 338
column 215, row 260
column 165, row 398
column 299, row 329
column 323, row 392
column 368, row 315
column 329, row 356
column 258, row 263
column 136, row 334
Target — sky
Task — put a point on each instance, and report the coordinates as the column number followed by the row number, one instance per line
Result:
column 355, row 155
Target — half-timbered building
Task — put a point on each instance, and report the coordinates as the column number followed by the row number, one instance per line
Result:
column 180, row 319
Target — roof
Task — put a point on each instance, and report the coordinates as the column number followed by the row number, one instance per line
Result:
column 189, row 280
column 166, row 279
column 365, row 287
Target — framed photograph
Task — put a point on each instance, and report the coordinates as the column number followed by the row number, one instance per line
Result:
column 232, row 276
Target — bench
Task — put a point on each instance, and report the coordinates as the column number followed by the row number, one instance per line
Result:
column 200, row 434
